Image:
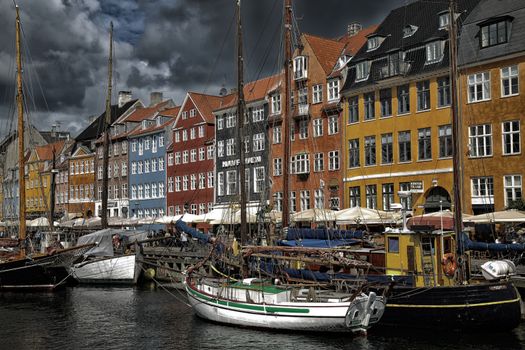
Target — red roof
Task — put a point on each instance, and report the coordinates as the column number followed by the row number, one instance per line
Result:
column 206, row 104
column 139, row 131
column 140, row 114
column 256, row 90
column 327, row 51
column 46, row 152
column 171, row 112
column 355, row 42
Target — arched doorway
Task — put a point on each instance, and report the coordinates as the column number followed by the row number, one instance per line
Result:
column 437, row 198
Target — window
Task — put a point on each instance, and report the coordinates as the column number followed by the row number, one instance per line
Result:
column 443, row 91
column 353, row 153
column 362, row 70
column 512, row 184
column 202, row 153
column 385, row 99
column 185, row 115
column 170, row 159
column 220, row 184
column 154, row 193
column 99, row 170
column 277, row 166
column 333, row 124
column 210, row 152
column 300, row 67
column 319, row 199
column 231, row 182
column 276, row 104
column 278, row 201
column 202, row 181
column 406, row 202
column 369, row 106
column 139, row 167
column 193, row 134
column 317, row 93
column 193, row 182
column 373, row 43
column 220, row 122
column 177, row 136
column 184, row 135
column 292, row 131
column 258, row 142
column 305, row 200
column 293, row 202
column 318, row 127
column 319, row 162
column 423, row 95
column 185, row 180
column 511, row 137
column 393, row 244
column 444, row 20
column 388, row 196
column 405, row 151
column 371, row 196
column 355, row 196
column 153, row 165
column 258, row 114
column 333, row 160
column 161, row 140
column 509, row 81
column 353, row 109
column 133, row 146
column 482, row 190
column 170, row 184
column 445, row 141
column 494, row 34
column 230, row 147
column 220, row 148
column 109, row 171
column 479, row 87
column 154, row 145
column 276, row 134
column 258, row 179
column 147, row 143
column 192, row 113
column 146, row 191
column 424, row 144
column 370, row 150
column 210, row 179
column 480, row 140
column 333, row 90
column 434, row 51
column 302, row 94
column 231, row 120
column 177, row 158
column 303, row 129
column 403, row 99
column 301, row 164
column 387, row 149
column 146, row 166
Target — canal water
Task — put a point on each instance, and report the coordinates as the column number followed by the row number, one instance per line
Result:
column 149, row 318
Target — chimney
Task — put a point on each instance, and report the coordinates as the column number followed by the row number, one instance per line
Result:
column 155, row 97
column 123, row 98
column 354, row 28
column 53, row 131
column 223, row 92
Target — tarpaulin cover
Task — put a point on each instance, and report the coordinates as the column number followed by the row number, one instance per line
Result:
column 307, row 233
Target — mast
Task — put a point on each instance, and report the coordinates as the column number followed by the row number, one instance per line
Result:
column 52, row 195
column 21, row 160
column 456, row 137
column 107, row 123
column 240, row 129
column 286, row 110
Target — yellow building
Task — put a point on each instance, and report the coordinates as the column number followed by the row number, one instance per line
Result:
column 38, row 179
column 398, row 134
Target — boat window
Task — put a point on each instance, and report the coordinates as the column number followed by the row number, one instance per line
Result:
column 393, row 244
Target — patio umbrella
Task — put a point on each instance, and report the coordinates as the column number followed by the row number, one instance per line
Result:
column 505, row 216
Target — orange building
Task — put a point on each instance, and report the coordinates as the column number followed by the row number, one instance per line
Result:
column 82, row 182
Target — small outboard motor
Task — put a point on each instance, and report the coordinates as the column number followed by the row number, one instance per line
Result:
column 498, row 269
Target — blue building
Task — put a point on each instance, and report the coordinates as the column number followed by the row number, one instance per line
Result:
column 147, row 179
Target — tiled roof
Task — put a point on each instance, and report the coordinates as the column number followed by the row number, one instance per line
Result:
column 206, row 104
column 140, row 114
column 355, row 42
column 326, row 50
column 94, row 130
column 46, row 152
column 139, row 131
column 171, row 112
column 256, row 90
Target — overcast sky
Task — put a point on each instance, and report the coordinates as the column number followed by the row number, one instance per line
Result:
column 173, row 46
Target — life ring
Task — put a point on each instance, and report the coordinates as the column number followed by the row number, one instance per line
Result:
column 449, row 264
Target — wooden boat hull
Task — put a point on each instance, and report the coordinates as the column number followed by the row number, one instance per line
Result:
column 27, row 274
column 297, row 316
column 107, row 270
column 474, row 306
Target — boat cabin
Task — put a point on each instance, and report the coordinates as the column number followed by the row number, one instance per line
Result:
column 427, row 256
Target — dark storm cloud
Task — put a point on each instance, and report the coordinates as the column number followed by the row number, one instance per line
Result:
column 167, row 45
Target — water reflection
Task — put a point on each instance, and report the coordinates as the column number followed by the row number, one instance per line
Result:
column 128, row 318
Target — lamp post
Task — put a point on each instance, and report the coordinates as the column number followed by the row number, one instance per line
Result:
column 404, row 195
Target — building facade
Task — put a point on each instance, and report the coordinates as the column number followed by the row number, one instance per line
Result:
column 82, row 182
column 398, row 134
column 492, row 69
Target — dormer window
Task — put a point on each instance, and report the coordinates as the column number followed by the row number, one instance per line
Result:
column 362, row 70
column 158, row 121
column 342, row 61
column 144, row 124
column 444, row 20
column 434, row 51
column 373, row 43
column 495, row 31
column 409, row 30
column 300, row 68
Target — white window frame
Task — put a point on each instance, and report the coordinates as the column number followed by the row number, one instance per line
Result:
column 333, row 90
column 317, row 125
column 512, row 184
column 478, row 81
column 511, row 134
column 317, row 93
column 481, row 141
column 507, row 74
